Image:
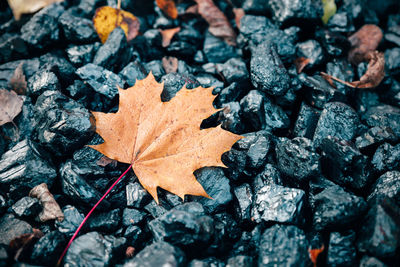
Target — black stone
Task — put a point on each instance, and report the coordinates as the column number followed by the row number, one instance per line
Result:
column 132, row 72
column 283, row 245
column 217, row 186
column 275, row 118
column 343, row 70
column 7, row 70
column 297, row 158
column 380, row 233
column 11, row 228
column 81, row 55
column 93, row 247
column 155, row 210
column 62, row 125
column 48, row 248
column 135, row 236
column 306, row 121
column 230, row 118
column 234, row 70
column 240, row 261
column 136, row 196
column 275, row 203
column 22, row 168
column 101, row 80
column 26, row 207
column 287, row 11
column 384, row 116
column 386, row 158
column 387, row 185
column 114, row 54
column 337, row 119
column 337, row 209
column 55, row 62
column 3, row 205
column 185, row 226
column 392, row 60
column 132, row 217
column 342, row 250
column 77, row 29
column 158, row 254
column 252, row 106
column 72, row 219
column 243, row 199
column 341, row 22
column 173, row 82
column 368, row 261
column 226, row 233
column 212, row 261
column 312, row 50
column 228, row 94
column 156, row 68
column 12, row 47
column 42, row 81
column 217, row 50
column 107, row 222
column 374, row 137
column 268, row 176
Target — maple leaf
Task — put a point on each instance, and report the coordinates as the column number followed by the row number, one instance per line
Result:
column 163, row 141
column 10, row 106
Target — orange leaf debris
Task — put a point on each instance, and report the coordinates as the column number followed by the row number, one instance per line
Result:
column 167, row 35
column 168, row 7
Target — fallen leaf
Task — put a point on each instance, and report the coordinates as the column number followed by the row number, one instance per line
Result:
column 18, row 81
column 10, row 106
column 239, row 13
column 130, row 251
column 330, row 8
column 104, row 161
column 170, row 64
column 192, row 10
column 314, row 253
column 219, row 24
column 371, row 78
column 163, row 141
column 365, row 40
column 51, row 209
column 168, row 7
column 167, row 35
column 301, row 63
column 23, row 241
column 20, row 7
column 107, row 18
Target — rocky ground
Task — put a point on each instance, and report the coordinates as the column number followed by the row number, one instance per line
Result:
column 319, row 167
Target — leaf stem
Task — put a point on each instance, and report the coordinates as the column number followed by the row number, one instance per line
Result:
column 88, row 215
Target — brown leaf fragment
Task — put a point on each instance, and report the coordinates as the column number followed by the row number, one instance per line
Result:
column 10, row 106
column 104, row 161
column 192, row 10
column 170, row 64
column 18, row 81
column 371, row 78
column 168, row 7
column 219, row 25
column 23, row 241
column 301, row 63
column 163, row 141
column 365, row 40
column 167, row 35
column 239, row 13
column 107, row 18
column 20, row 7
column 314, row 253
column 130, row 252
column 51, row 209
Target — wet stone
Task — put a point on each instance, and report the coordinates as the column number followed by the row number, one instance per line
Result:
column 243, row 199
column 158, row 254
column 268, row 176
column 379, row 234
column 136, row 196
column 337, row 119
column 240, row 261
column 297, row 158
column 174, row 82
column 341, row 22
column 48, row 248
column 55, row 62
column 387, row 185
column 105, row 222
column 72, row 219
column 12, row 47
column 283, row 245
column 392, row 61
column 267, row 71
column 386, row 158
column 375, row 137
column 114, row 54
column 206, row 262
column 384, row 116
column 22, row 168
column 216, row 185
column 275, row 203
column 30, row 67
column 81, row 55
column 41, row 31
column 156, row 68
column 26, row 207
column 368, row 261
column 62, row 125
column 275, row 118
column 343, row 70
column 230, row 118
column 342, row 250
column 132, row 72
column 234, row 70
column 42, row 81
column 132, row 217
column 135, row 236
column 286, row 11
column 312, row 50
column 185, row 226
column 186, row 42
column 101, row 80
column 337, row 209
column 10, row 228
column 228, row 94
column 77, row 29
column 251, row 6
column 155, row 210
column 226, row 233
column 217, row 50
column 306, row 121
column 3, row 205
column 93, row 247
column 252, row 106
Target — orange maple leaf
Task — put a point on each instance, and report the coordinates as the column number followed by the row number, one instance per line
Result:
column 162, row 140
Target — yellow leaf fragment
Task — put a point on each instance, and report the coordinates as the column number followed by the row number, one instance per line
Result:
column 20, row 7
column 163, row 140
column 329, row 10
column 107, row 18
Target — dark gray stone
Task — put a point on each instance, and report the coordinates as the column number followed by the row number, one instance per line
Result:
column 387, row 185
column 132, row 72
column 136, row 196
column 217, row 50
column 244, row 198
column 11, row 228
column 132, row 217
column 77, row 29
column 41, row 82
column 71, row 222
column 81, row 55
column 107, row 222
column 234, row 70
column 386, row 158
column 306, row 121
column 312, row 50
column 341, row 250
column 173, row 83
column 374, row 137
column 48, row 248
column 41, row 31
column 286, row 10
column 26, row 207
